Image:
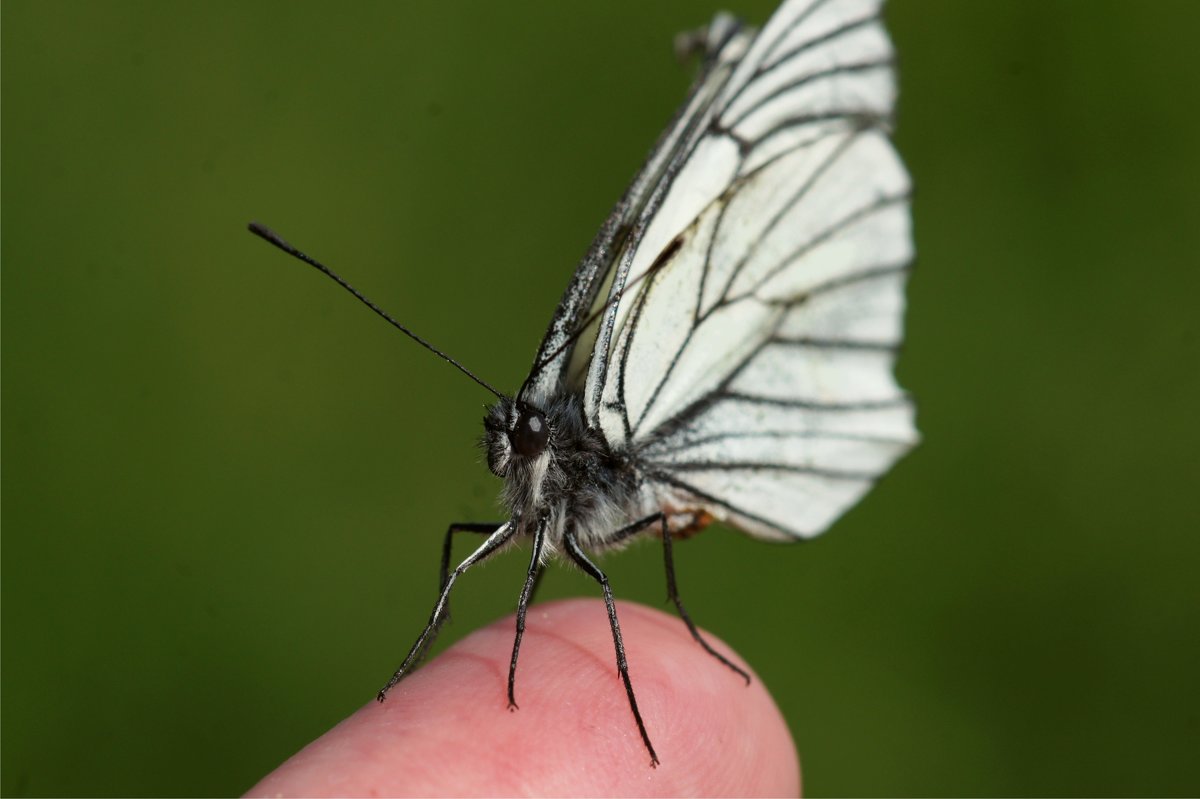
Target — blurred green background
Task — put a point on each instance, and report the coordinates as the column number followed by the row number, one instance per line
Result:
column 225, row 482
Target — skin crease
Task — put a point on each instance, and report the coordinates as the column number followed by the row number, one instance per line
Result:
column 444, row 730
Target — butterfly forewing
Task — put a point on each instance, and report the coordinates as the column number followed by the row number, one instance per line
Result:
column 565, row 351
column 749, row 372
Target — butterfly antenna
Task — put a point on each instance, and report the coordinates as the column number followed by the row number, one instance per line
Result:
column 271, row 236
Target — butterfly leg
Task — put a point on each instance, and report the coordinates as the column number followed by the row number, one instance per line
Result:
column 576, row 554
column 673, row 595
column 494, row 541
column 672, row 590
column 531, row 579
column 635, row 528
column 461, row 527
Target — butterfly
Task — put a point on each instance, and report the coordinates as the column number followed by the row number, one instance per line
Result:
column 724, row 351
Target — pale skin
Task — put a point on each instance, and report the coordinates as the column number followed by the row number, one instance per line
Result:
column 446, row 730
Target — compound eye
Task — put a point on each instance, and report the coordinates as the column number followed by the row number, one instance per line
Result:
column 529, row 437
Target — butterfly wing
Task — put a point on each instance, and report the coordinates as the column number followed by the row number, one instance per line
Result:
column 564, row 352
column 754, row 301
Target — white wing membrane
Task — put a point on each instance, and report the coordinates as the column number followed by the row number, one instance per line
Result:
column 868, row 310
column 755, row 308
column 817, row 374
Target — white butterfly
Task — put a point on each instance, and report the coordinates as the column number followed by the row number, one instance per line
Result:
column 725, row 349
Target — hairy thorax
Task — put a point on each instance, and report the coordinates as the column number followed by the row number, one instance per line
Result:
column 558, row 471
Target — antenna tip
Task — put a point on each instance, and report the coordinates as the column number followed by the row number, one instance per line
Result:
column 265, row 233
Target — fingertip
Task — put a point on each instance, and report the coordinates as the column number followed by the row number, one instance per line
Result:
column 444, row 730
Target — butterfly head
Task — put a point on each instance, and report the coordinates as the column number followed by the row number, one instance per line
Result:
column 515, row 431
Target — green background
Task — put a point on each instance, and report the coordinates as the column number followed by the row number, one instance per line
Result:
column 225, row 483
